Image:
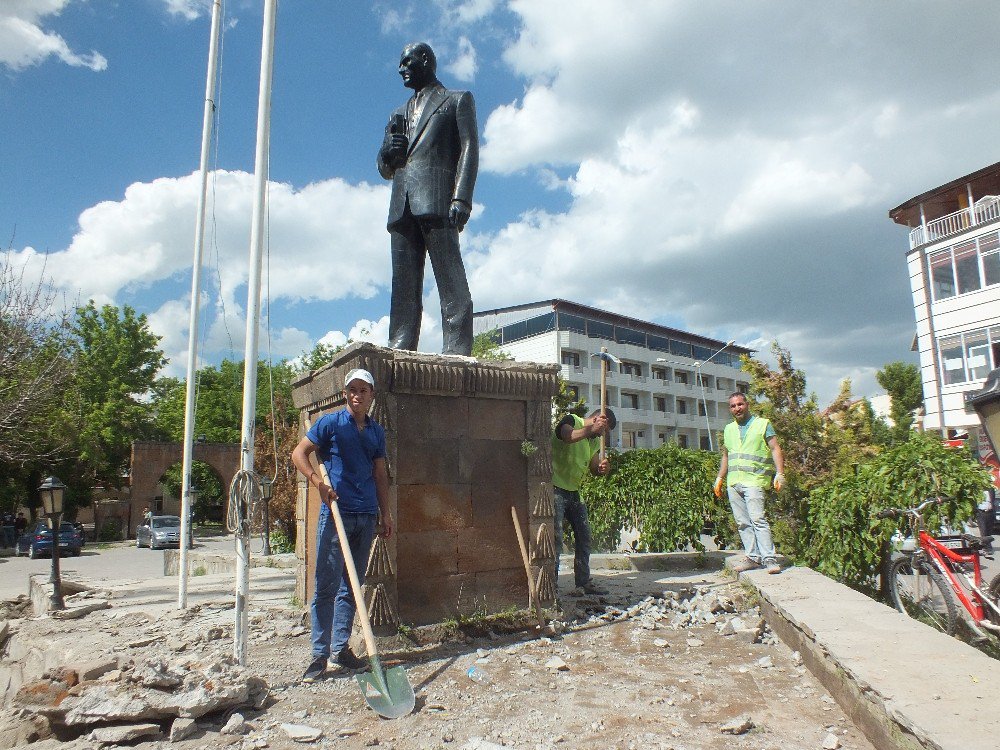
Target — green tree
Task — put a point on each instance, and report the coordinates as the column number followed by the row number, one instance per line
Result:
column 219, row 417
column 901, row 381
column 117, row 359
column 486, row 346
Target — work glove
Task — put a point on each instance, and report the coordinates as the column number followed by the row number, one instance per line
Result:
column 779, row 481
column 717, row 488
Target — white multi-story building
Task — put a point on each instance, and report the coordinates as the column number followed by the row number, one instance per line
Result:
column 654, row 392
column 954, row 264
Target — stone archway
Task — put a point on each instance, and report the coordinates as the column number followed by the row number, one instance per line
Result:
column 150, row 459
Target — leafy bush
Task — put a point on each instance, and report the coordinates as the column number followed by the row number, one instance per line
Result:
column 665, row 493
column 846, row 541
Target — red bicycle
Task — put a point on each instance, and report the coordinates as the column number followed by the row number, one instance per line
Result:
column 926, row 583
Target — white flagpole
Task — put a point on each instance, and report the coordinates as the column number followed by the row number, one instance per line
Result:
column 253, row 317
column 192, row 363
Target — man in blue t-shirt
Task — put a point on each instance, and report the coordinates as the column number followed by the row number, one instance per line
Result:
column 352, row 447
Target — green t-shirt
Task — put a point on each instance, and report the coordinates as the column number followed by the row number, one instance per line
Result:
column 571, row 461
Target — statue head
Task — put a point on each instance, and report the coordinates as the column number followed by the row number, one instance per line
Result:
column 417, row 65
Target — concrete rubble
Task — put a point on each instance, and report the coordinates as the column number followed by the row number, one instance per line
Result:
column 624, row 671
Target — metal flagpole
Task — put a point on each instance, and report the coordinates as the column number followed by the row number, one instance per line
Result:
column 192, row 363
column 253, row 317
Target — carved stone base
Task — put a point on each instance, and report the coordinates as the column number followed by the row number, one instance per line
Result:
column 457, row 433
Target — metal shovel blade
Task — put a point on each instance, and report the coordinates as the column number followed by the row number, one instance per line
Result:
column 388, row 692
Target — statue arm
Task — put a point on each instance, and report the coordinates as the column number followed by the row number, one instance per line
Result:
column 467, row 167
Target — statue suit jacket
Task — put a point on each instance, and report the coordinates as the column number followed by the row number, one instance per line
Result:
column 442, row 157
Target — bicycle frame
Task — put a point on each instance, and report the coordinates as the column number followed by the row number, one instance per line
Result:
column 939, row 553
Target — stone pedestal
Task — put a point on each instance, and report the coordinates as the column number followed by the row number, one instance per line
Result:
column 466, row 441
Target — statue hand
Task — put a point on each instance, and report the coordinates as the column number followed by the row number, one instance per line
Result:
column 394, row 150
column 459, row 213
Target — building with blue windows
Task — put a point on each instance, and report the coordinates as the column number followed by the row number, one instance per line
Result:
column 655, row 392
column 954, row 264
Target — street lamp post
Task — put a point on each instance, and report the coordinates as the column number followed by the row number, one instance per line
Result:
column 51, row 491
column 266, row 487
column 701, row 384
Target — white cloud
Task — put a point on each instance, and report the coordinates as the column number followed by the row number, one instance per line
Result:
column 725, row 177
column 25, row 43
column 320, row 242
column 189, row 10
column 464, row 65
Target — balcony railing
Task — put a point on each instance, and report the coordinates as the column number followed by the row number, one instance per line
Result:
column 986, row 209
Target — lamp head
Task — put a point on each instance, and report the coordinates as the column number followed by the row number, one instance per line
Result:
column 52, row 491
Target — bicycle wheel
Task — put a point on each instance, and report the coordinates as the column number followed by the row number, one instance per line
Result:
column 994, row 593
column 920, row 591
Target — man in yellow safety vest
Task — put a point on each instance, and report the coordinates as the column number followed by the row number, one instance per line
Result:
column 750, row 444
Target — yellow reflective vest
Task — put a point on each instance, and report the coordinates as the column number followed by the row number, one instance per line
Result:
column 749, row 458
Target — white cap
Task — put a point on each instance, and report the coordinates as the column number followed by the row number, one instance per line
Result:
column 359, row 374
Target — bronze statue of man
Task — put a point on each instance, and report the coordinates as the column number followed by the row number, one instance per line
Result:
column 431, row 154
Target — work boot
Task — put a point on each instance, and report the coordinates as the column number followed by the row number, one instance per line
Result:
column 592, row 588
column 348, row 660
column 315, row 669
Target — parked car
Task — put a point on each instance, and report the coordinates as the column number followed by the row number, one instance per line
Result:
column 37, row 542
column 159, row 532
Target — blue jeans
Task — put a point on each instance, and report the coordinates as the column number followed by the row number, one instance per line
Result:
column 333, row 605
column 748, row 507
column 570, row 507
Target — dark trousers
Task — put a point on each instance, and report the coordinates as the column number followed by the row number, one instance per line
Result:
column 570, row 507
column 984, row 520
column 412, row 240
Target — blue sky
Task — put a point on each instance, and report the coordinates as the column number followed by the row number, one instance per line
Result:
column 726, row 168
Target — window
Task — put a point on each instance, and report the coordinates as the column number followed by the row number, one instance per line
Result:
column 663, row 437
column 703, row 441
column 573, row 392
column 631, row 368
column 681, row 377
column 968, row 356
column 951, row 360
column 701, row 409
column 660, row 403
column 743, row 388
column 659, row 373
column 967, row 267
column 571, row 358
column 682, row 441
column 629, row 336
column 682, row 407
column 569, row 322
column 977, row 354
column 628, row 439
column 630, row 400
column 989, row 250
column 942, row 278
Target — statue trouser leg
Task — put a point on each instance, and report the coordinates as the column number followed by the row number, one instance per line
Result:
column 408, row 258
column 453, row 287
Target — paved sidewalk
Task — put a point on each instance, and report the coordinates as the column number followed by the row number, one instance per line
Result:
column 903, row 683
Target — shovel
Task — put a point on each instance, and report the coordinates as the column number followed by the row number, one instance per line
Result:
column 388, row 692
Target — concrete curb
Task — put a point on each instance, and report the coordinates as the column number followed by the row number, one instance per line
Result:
column 905, row 685
column 222, row 562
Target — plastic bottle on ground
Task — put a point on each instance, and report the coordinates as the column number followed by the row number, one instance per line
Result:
column 477, row 674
